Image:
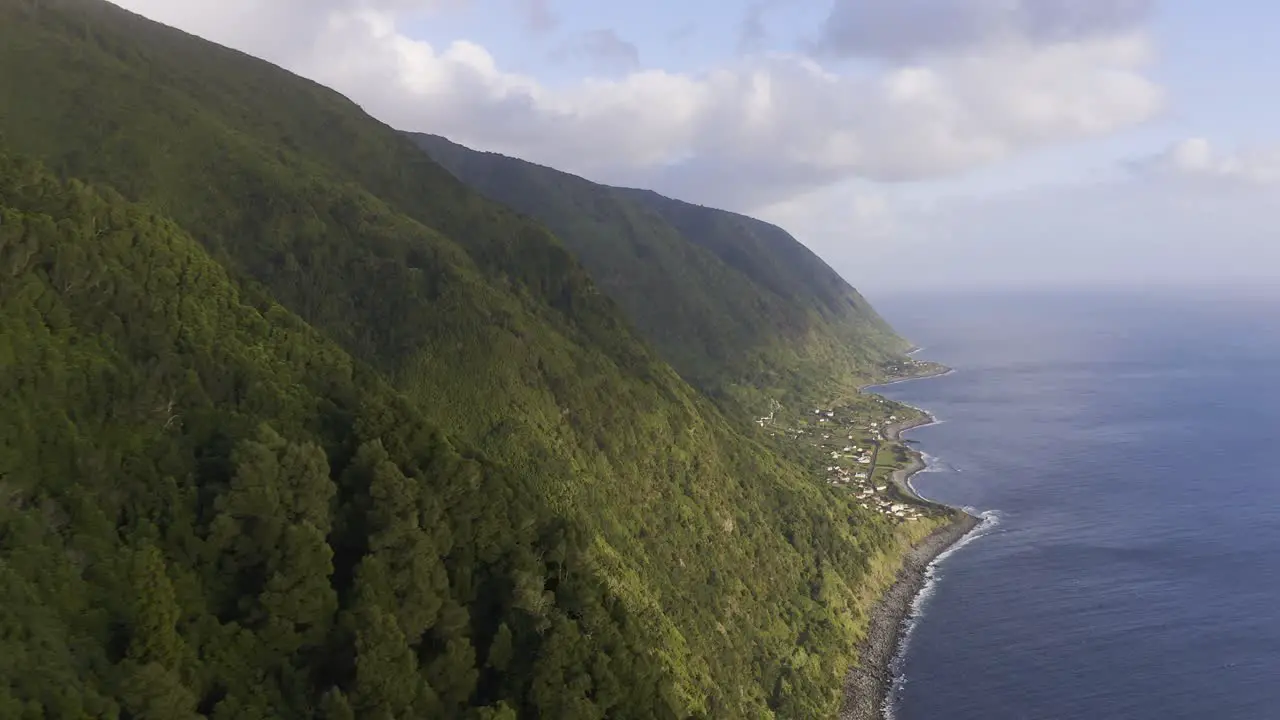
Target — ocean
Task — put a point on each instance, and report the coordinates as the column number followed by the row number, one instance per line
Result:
column 1126, row 449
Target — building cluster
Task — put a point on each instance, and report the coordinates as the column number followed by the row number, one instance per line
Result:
column 851, row 463
column 870, row 496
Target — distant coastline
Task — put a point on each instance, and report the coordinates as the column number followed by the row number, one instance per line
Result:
column 868, row 685
column 942, row 371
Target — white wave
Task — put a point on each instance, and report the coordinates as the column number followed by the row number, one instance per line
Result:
column 897, row 666
column 933, row 464
column 990, row 521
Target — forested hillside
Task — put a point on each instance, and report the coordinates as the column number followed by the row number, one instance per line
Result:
column 209, row 508
column 733, row 303
column 294, row 424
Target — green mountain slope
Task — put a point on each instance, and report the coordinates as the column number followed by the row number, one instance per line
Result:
column 731, row 302
column 209, row 506
column 585, row 535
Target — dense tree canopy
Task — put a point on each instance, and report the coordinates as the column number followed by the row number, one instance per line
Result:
column 293, row 424
column 201, row 518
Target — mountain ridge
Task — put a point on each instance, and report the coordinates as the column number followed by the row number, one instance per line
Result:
column 230, row 294
column 732, row 302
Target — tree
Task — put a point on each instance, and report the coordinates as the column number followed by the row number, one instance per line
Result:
column 271, row 529
column 387, row 684
column 501, row 649
column 298, row 600
column 154, row 636
column 403, row 567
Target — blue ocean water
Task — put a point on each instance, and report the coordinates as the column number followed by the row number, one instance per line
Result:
column 1130, row 448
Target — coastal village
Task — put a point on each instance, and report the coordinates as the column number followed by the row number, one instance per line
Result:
column 856, row 448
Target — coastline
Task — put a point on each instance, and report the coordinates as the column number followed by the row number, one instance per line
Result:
column 868, row 685
column 902, row 476
column 893, row 433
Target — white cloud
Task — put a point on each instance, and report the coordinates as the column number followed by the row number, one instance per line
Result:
column 1197, row 159
column 755, row 132
column 785, row 124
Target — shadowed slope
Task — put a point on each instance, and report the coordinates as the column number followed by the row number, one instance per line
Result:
column 731, row 302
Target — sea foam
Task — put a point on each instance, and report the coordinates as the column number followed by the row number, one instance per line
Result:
column 935, row 464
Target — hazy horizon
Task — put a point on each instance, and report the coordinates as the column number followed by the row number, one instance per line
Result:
column 1122, row 288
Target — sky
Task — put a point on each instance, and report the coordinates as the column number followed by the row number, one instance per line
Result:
column 913, row 144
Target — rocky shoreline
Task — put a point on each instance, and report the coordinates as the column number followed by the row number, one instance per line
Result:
column 867, row 686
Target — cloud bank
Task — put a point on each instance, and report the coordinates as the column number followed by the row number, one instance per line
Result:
column 1188, row 215
column 758, row 130
column 1196, row 159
